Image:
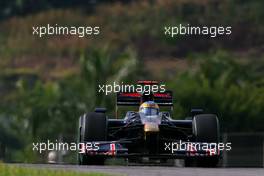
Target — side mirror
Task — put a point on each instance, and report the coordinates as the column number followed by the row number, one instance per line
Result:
column 196, row 111
column 100, row 110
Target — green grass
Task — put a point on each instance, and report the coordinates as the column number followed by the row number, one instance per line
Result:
column 7, row 170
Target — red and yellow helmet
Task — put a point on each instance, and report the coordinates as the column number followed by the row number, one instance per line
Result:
column 149, row 108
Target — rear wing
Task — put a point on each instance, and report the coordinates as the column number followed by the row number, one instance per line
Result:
column 134, row 98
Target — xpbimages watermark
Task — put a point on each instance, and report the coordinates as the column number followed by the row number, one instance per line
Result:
column 64, row 146
column 212, row 31
column 115, row 88
column 212, row 148
column 80, row 31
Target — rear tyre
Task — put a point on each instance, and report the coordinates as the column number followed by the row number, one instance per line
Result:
column 205, row 129
column 92, row 127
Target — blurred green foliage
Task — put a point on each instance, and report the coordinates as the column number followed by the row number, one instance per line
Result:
column 224, row 86
column 139, row 24
column 44, row 110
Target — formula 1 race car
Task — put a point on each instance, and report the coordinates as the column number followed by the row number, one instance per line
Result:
column 148, row 132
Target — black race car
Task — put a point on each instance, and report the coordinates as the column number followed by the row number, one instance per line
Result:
column 148, row 133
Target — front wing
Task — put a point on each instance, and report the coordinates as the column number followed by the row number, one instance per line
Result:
column 116, row 149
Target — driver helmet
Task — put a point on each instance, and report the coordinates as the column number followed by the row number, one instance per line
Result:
column 149, row 108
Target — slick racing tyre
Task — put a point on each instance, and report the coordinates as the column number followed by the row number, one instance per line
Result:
column 92, row 127
column 205, row 129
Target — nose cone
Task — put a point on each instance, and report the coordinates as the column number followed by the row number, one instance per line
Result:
column 151, row 127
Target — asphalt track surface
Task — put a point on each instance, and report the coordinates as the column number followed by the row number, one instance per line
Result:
column 154, row 170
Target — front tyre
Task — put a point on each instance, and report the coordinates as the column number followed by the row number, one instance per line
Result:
column 205, row 129
column 92, row 127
